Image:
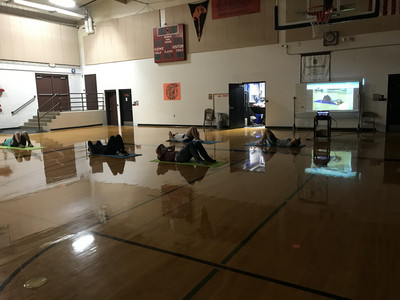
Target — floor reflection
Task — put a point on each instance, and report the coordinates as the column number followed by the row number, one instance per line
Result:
column 189, row 172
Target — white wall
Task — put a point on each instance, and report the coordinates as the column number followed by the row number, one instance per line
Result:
column 279, row 67
column 18, row 81
column 211, row 72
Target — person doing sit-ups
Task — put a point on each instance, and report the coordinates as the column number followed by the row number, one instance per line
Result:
column 19, row 139
column 194, row 149
column 114, row 146
column 269, row 138
column 190, row 135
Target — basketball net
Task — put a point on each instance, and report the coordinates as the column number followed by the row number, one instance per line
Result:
column 319, row 20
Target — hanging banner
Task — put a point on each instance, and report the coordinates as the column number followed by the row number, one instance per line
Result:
column 315, row 67
column 199, row 13
column 172, row 91
column 231, row 8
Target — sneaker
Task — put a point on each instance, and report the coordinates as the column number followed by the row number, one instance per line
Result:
column 30, row 145
column 21, row 146
column 122, row 153
column 211, row 161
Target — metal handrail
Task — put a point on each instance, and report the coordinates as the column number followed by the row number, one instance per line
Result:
column 51, row 109
column 23, row 106
column 82, row 103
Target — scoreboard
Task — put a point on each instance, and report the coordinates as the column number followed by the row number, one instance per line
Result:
column 169, row 43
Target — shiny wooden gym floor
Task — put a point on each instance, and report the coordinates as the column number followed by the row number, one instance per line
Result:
column 268, row 224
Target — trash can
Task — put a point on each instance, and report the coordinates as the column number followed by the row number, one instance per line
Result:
column 221, row 120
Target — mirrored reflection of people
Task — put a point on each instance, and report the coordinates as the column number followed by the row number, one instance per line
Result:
column 21, row 155
column 194, row 150
column 116, row 165
column 269, row 137
column 190, row 135
column 19, row 139
column 190, row 173
column 114, row 146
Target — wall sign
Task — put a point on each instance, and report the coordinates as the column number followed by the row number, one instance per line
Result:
column 172, row 91
column 169, row 43
column 315, row 67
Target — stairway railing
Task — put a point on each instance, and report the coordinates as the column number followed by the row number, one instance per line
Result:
column 23, row 106
column 46, row 112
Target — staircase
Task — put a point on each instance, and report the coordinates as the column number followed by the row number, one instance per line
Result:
column 44, row 121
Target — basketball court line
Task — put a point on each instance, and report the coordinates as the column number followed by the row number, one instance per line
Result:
column 216, row 265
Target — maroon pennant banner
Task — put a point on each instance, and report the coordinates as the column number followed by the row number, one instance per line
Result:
column 199, row 13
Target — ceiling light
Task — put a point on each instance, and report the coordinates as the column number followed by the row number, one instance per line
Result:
column 49, row 8
column 63, row 3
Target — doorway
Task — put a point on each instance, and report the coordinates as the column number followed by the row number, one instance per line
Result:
column 92, row 102
column 47, row 85
column 125, row 106
column 111, row 107
column 247, row 104
column 393, row 103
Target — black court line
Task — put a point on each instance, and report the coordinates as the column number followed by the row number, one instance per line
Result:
column 218, row 267
column 24, row 265
column 246, row 240
column 15, row 273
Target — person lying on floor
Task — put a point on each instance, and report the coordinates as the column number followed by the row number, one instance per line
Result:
column 114, row 146
column 190, row 135
column 269, row 138
column 194, row 149
column 19, row 139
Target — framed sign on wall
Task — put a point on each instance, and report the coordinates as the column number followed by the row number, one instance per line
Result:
column 169, row 43
column 315, row 67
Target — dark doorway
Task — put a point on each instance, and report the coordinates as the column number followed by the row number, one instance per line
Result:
column 91, row 92
column 393, row 103
column 236, row 105
column 47, row 85
column 246, row 104
column 125, row 106
column 111, row 107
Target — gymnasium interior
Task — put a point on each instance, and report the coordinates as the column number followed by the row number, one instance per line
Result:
column 314, row 221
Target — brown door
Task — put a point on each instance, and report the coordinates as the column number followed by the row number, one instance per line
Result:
column 48, row 85
column 44, row 90
column 393, row 103
column 111, row 107
column 91, row 92
column 61, row 87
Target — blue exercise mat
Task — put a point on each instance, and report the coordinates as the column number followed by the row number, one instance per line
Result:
column 268, row 145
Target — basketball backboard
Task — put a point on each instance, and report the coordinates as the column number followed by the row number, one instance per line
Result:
column 291, row 14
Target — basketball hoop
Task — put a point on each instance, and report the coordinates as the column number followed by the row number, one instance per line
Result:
column 319, row 19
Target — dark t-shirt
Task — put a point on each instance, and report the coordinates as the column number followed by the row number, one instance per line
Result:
column 168, row 156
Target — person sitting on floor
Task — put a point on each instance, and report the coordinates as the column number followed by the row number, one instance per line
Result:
column 269, row 138
column 190, row 135
column 19, row 139
column 194, row 149
column 114, row 146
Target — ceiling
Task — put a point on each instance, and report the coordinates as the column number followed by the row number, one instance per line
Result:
column 98, row 9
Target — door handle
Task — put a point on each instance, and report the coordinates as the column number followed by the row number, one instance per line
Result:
column 231, row 107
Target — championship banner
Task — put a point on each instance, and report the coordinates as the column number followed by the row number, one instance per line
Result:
column 315, row 67
column 172, row 91
column 199, row 13
column 231, row 8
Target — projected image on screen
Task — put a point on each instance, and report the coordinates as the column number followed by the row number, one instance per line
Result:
column 333, row 95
